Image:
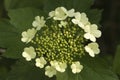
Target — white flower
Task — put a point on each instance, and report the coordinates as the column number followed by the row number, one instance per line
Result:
column 92, row 32
column 28, row 35
column 51, row 14
column 38, row 22
column 50, row 71
column 60, row 13
column 40, row 62
column 80, row 19
column 71, row 13
column 92, row 49
column 59, row 66
column 63, row 23
column 76, row 67
column 54, row 63
column 29, row 53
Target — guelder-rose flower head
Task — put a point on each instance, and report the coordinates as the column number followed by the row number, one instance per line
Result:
column 92, row 49
column 40, row 62
column 92, row 32
column 65, row 37
column 38, row 22
column 50, row 71
column 29, row 53
column 76, row 67
column 28, row 35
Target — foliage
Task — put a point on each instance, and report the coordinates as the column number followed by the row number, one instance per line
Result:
column 20, row 15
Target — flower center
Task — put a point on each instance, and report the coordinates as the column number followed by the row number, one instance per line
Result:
column 61, row 43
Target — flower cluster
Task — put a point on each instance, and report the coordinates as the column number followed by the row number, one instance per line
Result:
column 60, row 41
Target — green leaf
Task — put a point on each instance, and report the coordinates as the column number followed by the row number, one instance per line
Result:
column 82, row 5
column 22, row 18
column 23, row 70
column 78, row 5
column 3, row 72
column 8, row 34
column 15, row 50
column 94, row 69
column 14, row 4
column 116, row 63
column 94, row 15
column 10, row 39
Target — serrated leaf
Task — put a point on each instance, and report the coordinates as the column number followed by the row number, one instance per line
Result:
column 23, row 70
column 22, row 18
column 10, row 36
column 7, row 34
column 14, row 4
column 116, row 63
column 14, row 51
column 94, row 69
column 10, row 39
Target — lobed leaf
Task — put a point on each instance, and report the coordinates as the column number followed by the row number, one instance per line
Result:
column 94, row 69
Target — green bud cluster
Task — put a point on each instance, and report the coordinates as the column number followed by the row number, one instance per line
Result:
column 62, row 43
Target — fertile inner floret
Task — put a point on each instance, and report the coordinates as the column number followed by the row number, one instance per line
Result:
column 60, row 40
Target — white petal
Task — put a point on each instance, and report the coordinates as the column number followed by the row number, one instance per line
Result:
column 93, row 45
column 87, row 28
column 97, row 33
column 28, row 35
column 60, row 13
column 76, row 67
column 24, row 39
column 61, row 67
column 97, row 51
column 87, row 35
column 38, row 22
column 54, row 63
column 92, row 49
column 29, row 53
column 75, row 21
column 64, row 9
column 40, row 62
column 71, row 13
column 80, row 24
column 52, row 13
column 35, row 23
column 84, row 18
column 88, row 49
column 50, row 71
column 92, row 38
column 94, row 27
column 77, row 15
